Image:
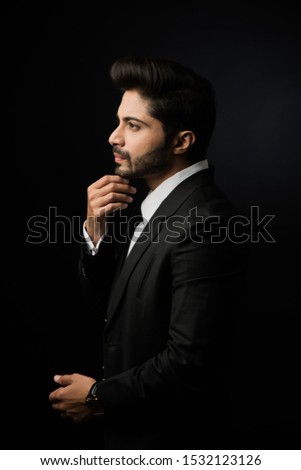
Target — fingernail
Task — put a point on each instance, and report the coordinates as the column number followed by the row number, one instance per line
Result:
column 56, row 378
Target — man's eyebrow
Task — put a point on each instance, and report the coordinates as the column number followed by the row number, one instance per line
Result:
column 132, row 118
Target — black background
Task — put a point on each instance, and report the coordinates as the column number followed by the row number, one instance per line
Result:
column 59, row 109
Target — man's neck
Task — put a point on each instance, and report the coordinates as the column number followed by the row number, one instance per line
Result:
column 155, row 180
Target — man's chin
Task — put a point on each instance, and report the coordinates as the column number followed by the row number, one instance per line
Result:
column 119, row 170
column 123, row 170
column 127, row 172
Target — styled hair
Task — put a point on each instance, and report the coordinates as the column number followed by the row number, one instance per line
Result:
column 178, row 97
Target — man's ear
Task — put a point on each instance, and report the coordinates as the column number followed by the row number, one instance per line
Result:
column 183, row 141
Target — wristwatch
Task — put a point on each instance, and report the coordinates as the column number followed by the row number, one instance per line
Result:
column 94, row 402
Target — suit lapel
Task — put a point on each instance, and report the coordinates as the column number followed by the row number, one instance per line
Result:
column 123, row 248
column 168, row 207
column 149, row 233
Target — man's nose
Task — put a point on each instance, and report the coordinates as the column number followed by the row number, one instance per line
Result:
column 116, row 138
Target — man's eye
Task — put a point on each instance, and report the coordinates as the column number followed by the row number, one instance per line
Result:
column 133, row 126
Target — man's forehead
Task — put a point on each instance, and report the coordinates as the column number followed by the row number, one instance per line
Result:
column 132, row 103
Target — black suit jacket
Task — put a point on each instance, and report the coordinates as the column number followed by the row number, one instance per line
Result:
column 168, row 312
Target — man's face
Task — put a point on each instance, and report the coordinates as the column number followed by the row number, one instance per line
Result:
column 139, row 141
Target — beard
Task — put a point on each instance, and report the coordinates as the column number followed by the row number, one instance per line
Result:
column 148, row 164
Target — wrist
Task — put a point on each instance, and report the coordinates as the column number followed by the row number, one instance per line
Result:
column 94, row 228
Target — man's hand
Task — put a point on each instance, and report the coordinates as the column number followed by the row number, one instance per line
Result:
column 106, row 195
column 70, row 398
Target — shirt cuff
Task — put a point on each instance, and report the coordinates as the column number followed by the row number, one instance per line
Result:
column 92, row 249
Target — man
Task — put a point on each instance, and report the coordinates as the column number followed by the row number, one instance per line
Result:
column 167, row 293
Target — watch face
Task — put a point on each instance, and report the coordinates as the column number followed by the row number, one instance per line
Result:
column 92, row 400
column 94, row 404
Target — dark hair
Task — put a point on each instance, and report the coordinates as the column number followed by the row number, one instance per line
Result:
column 179, row 98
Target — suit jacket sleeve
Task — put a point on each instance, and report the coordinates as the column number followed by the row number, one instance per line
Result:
column 96, row 272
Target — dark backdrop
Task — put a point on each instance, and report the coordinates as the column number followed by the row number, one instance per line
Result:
column 59, row 108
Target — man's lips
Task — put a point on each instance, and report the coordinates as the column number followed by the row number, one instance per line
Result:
column 118, row 158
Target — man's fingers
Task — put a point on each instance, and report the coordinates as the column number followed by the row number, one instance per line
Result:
column 105, row 205
column 107, row 179
column 111, row 188
column 63, row 379
column 57, row 405
column 112, row 197
column 109, row 208
column 106, row 195
column 109, row 193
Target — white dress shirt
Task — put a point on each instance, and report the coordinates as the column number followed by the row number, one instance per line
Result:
column 152, row 201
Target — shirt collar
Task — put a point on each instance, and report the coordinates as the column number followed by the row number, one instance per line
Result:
column 154, row 198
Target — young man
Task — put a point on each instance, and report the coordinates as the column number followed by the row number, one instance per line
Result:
column 168, row 296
